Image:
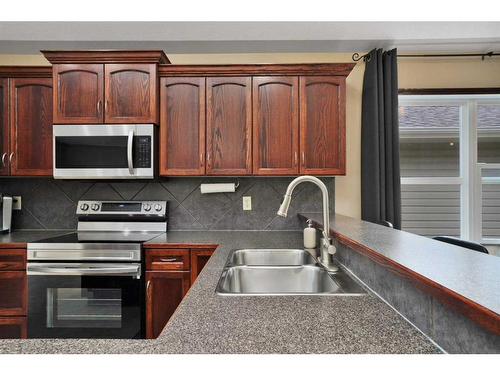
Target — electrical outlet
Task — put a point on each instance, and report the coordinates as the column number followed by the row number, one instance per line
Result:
column 16, row 202
column 247, row 203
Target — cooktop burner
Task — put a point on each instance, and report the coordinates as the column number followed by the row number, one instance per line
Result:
column 102, row 237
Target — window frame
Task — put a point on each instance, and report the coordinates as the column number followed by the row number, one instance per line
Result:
column 469, row 179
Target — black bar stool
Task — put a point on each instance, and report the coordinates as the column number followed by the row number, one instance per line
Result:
column 467, row 244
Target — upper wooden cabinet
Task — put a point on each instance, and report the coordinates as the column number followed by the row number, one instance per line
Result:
column 4, row 127
column 78, row 97
column 322, row 125
column 229, row 126
column 130, row 93
column 113, row 87
column 25, row 121
column 272, row 119
column 182, row 126
column 30, row 127
column 275, row 125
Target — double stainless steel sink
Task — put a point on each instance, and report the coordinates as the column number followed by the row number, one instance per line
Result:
column 282, row 272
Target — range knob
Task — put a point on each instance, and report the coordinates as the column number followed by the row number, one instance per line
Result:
column 84, row 207
column 158, row 207
column 147, row 207
column 94, row 207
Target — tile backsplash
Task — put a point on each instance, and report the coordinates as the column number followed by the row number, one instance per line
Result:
column 51, row 204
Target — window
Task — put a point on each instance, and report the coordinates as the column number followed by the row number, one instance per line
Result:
column 450, row 165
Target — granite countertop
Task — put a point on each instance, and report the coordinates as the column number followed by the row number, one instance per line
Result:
column 207, row 323
column 469, row 278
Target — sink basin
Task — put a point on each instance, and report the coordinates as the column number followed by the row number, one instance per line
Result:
column 285, row 280
column 270, row 257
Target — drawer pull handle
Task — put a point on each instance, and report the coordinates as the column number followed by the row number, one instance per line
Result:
column 169, row 260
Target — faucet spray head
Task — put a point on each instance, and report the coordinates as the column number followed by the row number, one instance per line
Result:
column 283, row 210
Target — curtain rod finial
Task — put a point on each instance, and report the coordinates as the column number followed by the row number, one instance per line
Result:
column 357, row 57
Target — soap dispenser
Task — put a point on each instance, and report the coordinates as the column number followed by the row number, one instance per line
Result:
column 309, row 236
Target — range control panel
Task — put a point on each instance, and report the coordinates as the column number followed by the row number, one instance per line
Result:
column 122, row 208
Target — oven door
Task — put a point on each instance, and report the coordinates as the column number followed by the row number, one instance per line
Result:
column 83, row 300
column 103, row 151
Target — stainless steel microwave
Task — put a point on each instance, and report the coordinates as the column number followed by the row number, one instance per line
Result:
column 104, row 151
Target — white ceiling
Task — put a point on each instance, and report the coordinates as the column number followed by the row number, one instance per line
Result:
column 247, row 37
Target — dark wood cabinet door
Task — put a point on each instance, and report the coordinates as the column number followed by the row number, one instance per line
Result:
column 182, row 126
column 164, row 291
column 130, row 93
column 199, row 258
column 322, row 125
column 31, row 127
column 229, row 126
column 13, row 293
column 275, row 125
column 13, row 327
column 78, row 93
column 4, row 127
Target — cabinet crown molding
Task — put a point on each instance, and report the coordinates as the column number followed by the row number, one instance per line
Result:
column 325, row 69
column 20, row 71
column 106, row 56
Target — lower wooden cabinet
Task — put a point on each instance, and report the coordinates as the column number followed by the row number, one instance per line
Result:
column 13, row 293
column 170, row 272
column 14, row 327
column 164, row 291
column 199, row 257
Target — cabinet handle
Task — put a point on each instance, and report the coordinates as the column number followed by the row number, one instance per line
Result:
column 148, row 285
column 168, row 260
column 10, row 157
column 303, row 158
column 3, row 158
column 99, row 107
column 106, row 105
column 201, row 158
column 295, row 158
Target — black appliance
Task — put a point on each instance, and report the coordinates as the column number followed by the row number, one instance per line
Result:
column 90, row 284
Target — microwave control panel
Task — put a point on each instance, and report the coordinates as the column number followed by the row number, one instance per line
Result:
column 142, row 152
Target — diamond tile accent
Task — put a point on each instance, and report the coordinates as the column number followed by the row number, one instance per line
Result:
column 265, row 202
column 128, row 190
column 49, row 203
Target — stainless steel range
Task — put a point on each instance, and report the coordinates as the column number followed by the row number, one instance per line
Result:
column 90, row 283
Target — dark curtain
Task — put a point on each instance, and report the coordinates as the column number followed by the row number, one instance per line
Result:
column 380, row 174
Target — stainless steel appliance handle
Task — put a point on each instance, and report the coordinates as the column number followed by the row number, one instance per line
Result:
column 78, row 269
column 130, row 143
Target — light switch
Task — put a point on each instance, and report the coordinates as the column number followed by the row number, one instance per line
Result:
column 247, row 203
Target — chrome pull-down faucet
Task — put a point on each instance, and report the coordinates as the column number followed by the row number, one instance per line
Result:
column 326, row 247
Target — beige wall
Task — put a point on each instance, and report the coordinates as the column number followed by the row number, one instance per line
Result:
column 413, row 73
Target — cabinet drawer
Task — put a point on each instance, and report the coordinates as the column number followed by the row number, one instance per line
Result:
column 168, row 259
column 12, row 259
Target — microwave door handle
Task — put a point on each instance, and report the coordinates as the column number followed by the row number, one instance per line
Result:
column 57, row 270
column 130, row 143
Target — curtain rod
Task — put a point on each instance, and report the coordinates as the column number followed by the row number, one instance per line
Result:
column 357, row 57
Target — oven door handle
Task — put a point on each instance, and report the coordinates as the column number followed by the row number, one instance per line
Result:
column 58, row 269
column 130, row 143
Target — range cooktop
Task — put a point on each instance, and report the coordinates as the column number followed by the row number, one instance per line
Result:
column 101, row 237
